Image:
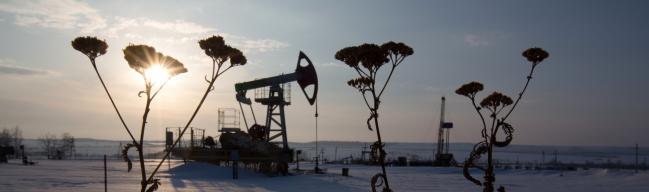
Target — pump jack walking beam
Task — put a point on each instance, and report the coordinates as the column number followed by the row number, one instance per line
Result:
column 304, row 75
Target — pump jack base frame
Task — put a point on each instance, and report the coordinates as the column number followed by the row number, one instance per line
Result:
column 444, row 160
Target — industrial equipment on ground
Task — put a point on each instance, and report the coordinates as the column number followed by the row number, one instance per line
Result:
column 443, row 158
column 258, row 147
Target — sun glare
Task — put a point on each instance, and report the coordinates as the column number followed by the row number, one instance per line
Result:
column 157, row 74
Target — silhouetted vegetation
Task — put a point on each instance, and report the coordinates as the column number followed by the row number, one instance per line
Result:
column 10, row 139
column 366, row 60
column 495, row 104
column 142, row 58
column 220, row 53
column 48, row 142
column 56, row 148
column 93, row 48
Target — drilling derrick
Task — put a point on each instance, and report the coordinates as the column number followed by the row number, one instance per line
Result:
column 442, row 157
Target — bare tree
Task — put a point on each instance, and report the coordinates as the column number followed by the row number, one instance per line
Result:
column 67, row 145
column 17, row 136
column 5, row 137
column 496, row 104
column 5, row 142
column 49, row 143
column 366, row 60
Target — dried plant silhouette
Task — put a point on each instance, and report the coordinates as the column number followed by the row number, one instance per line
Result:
column 495, row 104
column 220, row 53
column 366, row 60
column 143, row 59
column 93, row 48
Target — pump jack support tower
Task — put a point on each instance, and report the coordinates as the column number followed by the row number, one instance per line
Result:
column 275, row 101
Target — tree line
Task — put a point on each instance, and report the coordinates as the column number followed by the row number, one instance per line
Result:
column 54, row 147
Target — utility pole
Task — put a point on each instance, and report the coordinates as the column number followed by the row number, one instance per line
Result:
column 322, row 155
column 363, row 152
column 317, row 158
column 191, row 138
column 636, row 158
column 336, row 154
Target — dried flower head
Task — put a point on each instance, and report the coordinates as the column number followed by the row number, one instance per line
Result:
column 90, row 46
column 360, row 83
column 216, row 48
column 237, row 57
column 143, row 57
column 496, row 100
column 370, row 56
column 470, row 89
column 348, row 55
column 397, row 48
column 535, row 55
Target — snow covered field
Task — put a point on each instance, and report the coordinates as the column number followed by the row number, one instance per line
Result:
column 330, row 150
column 87, row 175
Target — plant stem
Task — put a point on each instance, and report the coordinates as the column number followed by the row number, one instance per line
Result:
column 112, row 102
column 387, row 80
column 484, row 124
column 381, row 158
column 520, row 95
column 141, row 145
column 200, row 104
column 378, row 135
column 489, row 174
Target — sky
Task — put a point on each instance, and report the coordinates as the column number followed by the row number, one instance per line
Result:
column 592, row 90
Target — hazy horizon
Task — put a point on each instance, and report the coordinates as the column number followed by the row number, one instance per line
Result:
column 588, row 92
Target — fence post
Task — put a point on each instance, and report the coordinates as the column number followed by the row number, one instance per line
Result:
column 105, row 175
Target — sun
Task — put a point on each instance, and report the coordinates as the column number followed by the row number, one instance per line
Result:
column 156, row 74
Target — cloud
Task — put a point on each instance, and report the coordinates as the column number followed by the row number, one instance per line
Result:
column 178, row 26
column 71, row 14
column 15, row 70
column 8, row 67
column 127, row 26
column 475, row 40
column 180, row 31
column 56, row 14
column 263, row 45
column 333, row 64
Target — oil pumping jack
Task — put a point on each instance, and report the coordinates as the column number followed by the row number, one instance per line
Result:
column 258, row 148
column 272, row 92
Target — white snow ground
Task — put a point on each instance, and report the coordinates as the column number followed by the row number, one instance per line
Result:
column 87, row 175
